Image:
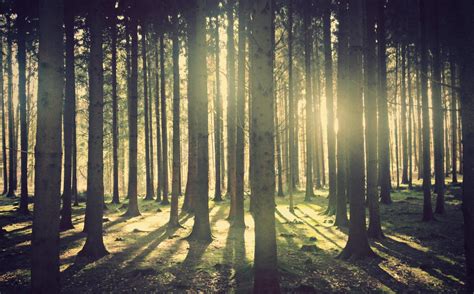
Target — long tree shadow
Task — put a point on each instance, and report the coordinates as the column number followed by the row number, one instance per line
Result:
column 235, row 253
column 426, row 261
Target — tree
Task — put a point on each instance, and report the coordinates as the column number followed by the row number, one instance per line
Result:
column 164, row 126
column 94, row 247
column 4, row 140
column 45, row 236
column 329, row 106
column 308, row 48
column 403, row 116
column 159, row 153
column 69, row 109
column 239, row 220
column 21, row 57
column 265, row 265
column 132, row 209
column 383, row 126
column 198, row 80
column 11, row 118
column 375, row 229
column 341, row 176
column 291, row 106
column 174, row 220
column 115, row 140
column 427, row 209
column 454, row 118
column 357, row 245
column 438, row 129
column 217, row 116
column 231, row 105
column 148, row 162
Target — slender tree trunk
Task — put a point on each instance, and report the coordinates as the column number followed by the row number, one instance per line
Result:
column 403, row 117
column 132, row 210
column 148, row 163
column 239, row 220
column 419, row 123
column 231, row 109
column 438, row 130
column 159, row 152
column 69, row 109
column 427, row 209
column 410, row 120
column 341, row 184
column 329, row 107
column 74, row 162
column 291, row 103
column 217, row 117
column 45, row 236
column 198, row 89
column 174, row 219
column 375, row 229
column 308, row 48
column 4, row 140
column 357, row 245
column 115, row 142
column 11, row 117
column 454, row 118
column 21, row 57
column 265, row 266
column 164, row 126
column 383, row 126
column 94, row 247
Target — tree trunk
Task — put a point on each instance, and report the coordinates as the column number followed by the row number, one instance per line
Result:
column 11, row 115
column 308, row 48
column 239, row 218
column 148, row 162
column 45, row 236
column 454, row 118
column 115, row 142
column 174, row 219
column 132, row 210
column 217, row 117
column 291, row 111
column 438, row 130
column 403, row 117
column 159, row 153
column 198, row 89
column 427, row 209
column 265, row 265
column 69, row 109
column 164, row 126
column 375, row 229
column 410, row 121
column 331, row 134
column 21, row 57
column 383, row 126
column 357, row 245
column 341, row 184
column 4, row 140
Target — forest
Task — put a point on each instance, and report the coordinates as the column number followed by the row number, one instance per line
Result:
column 237, row 146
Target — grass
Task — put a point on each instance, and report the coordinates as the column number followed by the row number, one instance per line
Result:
column 146, row 257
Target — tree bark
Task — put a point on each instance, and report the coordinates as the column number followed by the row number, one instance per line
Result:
column 4, row 140
column 164, row 126
column 308, row 48
column 115, row 141
column 217, row 117
column 11, row 116
column 45, row 236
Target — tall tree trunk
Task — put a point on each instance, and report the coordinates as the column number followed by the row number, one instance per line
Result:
column 331, row 134
column 164, row 126
column 217, row 117
column 132, row 210
column 74, row 162
column 357, row 245
column 21, row 57
column 159, row 152
column 454, row 118
column 438, row 130
column 317, row 112
column 410, row 120
column 265, row 266
column 174, row 219
column 419, row 122
column 11, row 117
column 148, row 162
column 94, row 247
column 198, row 89
column 403, row 117
column 341, row 184
column 308, row 48
column 383, row 126
column 4, row 140
column 69, row 109
column 115, row 142
column 45, row 236
column 375, row 229
column 239, row 220
column 291, row 103
column 427, row 209
column 231, row 106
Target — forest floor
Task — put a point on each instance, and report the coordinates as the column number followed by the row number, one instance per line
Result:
column 144, row 257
